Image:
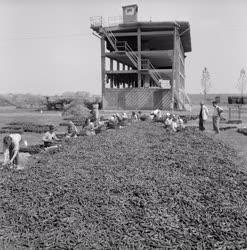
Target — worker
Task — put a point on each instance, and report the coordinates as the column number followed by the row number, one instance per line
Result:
column 174, row 124
column 203, row 116
column 119, row 117
column 72, row 130
column 216, row 117
column 50, row 137
column 139, row 114
column 180, row 124
column 89, row 127
column 134, row 116
column 11, row 144
column 125, row 116
column 168, row 120
column 113, row 118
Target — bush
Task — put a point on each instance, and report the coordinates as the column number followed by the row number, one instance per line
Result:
column 76, row 109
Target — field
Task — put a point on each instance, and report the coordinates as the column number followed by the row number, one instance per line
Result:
column 11, row 114
column 140, row 187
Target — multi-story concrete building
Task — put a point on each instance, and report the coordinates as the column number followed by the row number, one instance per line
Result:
column 142, row 63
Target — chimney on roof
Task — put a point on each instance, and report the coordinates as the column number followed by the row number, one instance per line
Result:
column 130, row 13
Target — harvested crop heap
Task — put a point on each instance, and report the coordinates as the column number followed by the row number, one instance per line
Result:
column 140, row 187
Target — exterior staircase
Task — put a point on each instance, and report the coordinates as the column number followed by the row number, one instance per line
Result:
column 123, row 46
column 111, row 38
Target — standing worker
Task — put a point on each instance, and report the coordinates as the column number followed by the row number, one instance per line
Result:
column 11, row 143
column 203, row 116
column 216, row 117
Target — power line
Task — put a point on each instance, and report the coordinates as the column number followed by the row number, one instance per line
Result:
column 33, row 37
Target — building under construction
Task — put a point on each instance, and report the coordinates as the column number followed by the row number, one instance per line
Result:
column 142, row 63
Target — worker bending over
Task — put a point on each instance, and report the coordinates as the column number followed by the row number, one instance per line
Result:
column 11, row 145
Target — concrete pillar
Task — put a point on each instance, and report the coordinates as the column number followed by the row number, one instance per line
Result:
column 102, row 42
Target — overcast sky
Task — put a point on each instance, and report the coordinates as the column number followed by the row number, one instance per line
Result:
column 47, row 47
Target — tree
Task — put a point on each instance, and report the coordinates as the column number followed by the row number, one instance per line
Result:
column 242, row 81
column 205, row 82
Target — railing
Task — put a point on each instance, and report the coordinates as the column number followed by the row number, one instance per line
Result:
column 115, row 20
column 132, row 55
column 146, row 64
column 156, row 75
column 124, row 47
column 96, row 21
column 110, row 36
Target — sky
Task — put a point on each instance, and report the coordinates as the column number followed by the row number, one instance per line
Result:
column 47, row 46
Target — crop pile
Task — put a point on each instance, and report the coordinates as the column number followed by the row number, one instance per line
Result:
column 20, row 127
column 139, row 187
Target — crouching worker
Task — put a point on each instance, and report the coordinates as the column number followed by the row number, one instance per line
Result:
column 11, row 144
column 180, row 124
column 72, row 130
column 89, row 127
column 50, row 137
column 168, row 120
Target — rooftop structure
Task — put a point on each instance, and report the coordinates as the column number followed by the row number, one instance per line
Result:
column 143, row 63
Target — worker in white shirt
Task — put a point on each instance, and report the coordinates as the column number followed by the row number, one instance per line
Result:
column 180, row 124
column 50, row 137
column 216, row 117
column 174, row 125
column 11, row 144
column 125, row 116
column 203, row 116
column 72, row 130
column 168, row 121
column 156, row 113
